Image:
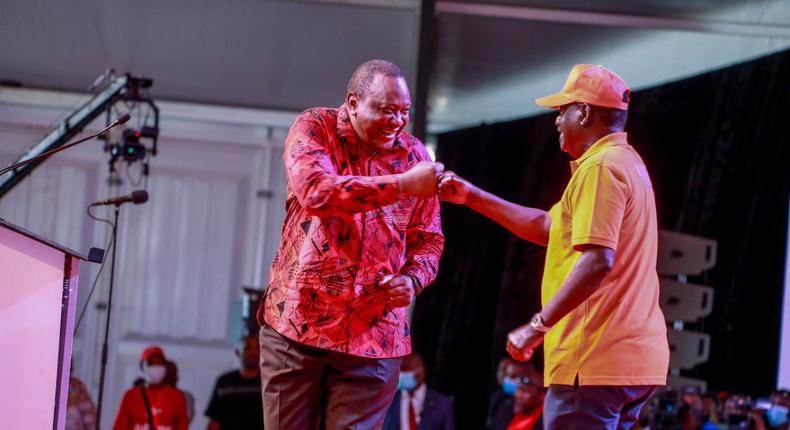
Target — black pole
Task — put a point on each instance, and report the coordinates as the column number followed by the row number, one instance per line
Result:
column 107, row 322
column 426, row 54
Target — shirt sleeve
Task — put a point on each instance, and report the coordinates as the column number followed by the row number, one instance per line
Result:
column 182, row 418
column 315, row 182
column 597, row 204
column 122, row 419
column 214, row 409
column 424, row 243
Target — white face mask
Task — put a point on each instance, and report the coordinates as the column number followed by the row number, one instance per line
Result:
column 155, row 374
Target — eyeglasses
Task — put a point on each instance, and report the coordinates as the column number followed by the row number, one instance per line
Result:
column 526, row 382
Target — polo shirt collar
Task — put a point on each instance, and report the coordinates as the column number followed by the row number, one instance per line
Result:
column 614, row 139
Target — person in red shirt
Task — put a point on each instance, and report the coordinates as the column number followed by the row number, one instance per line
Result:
column 361, row 238
column 152, row 403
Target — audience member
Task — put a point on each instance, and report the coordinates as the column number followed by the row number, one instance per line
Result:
column 236, row 401
column 711, row 406
column 152, row 404
column 80, row 410
column 415, row 406
column 518, row 404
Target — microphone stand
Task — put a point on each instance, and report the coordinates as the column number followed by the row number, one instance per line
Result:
column 107, row 322
column 125, row 117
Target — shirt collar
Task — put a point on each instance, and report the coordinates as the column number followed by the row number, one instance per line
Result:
column 345, row 131
column 613, row 139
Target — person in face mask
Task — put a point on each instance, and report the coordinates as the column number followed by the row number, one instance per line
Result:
column 518, row 403
column 417, row 407
column 152, row 403
column 776, row 417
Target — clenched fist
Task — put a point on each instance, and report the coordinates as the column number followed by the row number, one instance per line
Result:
column 399, row 289
column 453, row 188
column 421, row 180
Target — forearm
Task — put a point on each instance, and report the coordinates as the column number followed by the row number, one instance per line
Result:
column 527, row 223
column 324, row 194
column 314, row 179
column 584, row 280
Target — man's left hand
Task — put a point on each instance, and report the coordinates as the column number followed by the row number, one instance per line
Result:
column 399, row 289
column 521, row 342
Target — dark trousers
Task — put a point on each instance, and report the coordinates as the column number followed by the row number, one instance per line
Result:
column 575, row 407
column 306, row 388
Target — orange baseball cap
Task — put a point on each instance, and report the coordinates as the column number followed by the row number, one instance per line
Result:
column 588, row 83
column 151, row 351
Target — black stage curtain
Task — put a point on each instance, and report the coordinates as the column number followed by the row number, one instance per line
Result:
column 717, row 149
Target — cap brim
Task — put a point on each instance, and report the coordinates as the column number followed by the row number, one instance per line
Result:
column 553, row 101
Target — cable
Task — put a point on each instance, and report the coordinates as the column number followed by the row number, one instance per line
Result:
column 98, row 274
column 135, row 183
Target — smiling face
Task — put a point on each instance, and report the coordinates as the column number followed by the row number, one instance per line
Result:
column 381, row 114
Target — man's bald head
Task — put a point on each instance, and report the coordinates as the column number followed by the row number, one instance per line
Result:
column 367, row 72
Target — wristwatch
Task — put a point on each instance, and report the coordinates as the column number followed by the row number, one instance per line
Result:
column 537, row 323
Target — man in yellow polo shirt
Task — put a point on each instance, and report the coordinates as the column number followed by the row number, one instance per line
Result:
column 605, row 337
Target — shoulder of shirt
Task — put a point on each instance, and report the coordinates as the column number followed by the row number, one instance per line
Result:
column 229, row 376
column 318, row 114
column 131, row 390
column 410, row 142
column 609, row 157
column 170, row 390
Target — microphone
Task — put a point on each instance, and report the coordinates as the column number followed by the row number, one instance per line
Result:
column 137, row 197
column 121, row 120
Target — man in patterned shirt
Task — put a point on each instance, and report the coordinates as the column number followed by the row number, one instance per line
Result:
column 361, row 238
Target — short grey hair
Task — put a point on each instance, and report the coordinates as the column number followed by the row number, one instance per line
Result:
column 367, row 71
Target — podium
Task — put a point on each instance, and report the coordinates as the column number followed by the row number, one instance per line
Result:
column 38, row 286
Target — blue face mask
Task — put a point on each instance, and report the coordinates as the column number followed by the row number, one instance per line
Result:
column 407, row 381
column 776, row 415
column 509, row 386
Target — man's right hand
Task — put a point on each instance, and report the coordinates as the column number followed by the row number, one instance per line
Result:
column 453, row 188
column 521, row 342
column 421, row 180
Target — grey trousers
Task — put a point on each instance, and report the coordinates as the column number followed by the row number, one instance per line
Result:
column 306, row 388
column 575, row 407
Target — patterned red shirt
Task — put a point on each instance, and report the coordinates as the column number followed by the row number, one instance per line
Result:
column 346, row 226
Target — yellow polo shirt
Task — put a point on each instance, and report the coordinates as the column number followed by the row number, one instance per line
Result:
column 618, row 335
